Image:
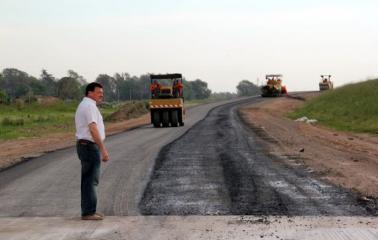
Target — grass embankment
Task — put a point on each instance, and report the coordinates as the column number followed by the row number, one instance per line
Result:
column 352, row 108
column 36, row 120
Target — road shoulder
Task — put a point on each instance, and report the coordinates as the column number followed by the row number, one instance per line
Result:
column 346, row 159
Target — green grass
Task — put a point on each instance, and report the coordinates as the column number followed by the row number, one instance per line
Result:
column 352, row 108
column 35, row 120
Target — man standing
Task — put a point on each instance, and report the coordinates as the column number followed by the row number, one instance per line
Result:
column 90, row 134
column 155, row 89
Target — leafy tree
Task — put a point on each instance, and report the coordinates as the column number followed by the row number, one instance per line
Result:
column 69, row 89
column 49, row 82
column 4, row 98
column 122, row 86
column 119, row 79
column 17, row 83
column 144, row 86
column 246, row 88
column 36, row 87
column 109, row 86
column 129, row 89
column 222, row 95
column 199, row 89
column 3, row 95
column 14, row 82
column 77, row 77
column 187, row 90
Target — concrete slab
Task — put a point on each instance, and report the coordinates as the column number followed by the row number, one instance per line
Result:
column 191, row 227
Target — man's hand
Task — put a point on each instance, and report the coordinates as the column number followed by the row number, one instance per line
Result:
column 96, row 137
column 105, row 155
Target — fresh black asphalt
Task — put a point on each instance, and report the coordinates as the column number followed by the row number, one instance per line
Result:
column 222, row 167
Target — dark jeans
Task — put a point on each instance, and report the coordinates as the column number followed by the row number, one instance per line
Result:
column 90, row 158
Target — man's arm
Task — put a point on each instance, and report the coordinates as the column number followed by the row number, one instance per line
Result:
column 96, row 137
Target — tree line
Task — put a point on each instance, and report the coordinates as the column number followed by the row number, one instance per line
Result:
column 247, row 88
column 15, row 84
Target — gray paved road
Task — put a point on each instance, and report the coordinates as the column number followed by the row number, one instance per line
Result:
column 50, row 185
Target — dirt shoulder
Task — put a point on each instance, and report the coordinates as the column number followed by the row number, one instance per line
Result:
column 346, row 159
column 16, row 151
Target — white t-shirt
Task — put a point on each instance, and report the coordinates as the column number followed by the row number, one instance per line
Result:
column 87, row 113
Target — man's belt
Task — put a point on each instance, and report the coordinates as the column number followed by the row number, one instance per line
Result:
column 85, row 141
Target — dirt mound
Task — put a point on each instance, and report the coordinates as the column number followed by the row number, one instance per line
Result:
column 47, row 100
column 129, row 111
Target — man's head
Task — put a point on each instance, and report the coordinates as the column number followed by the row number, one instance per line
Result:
column 94, row 91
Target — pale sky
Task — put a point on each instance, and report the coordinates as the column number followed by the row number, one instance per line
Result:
column 221, row 42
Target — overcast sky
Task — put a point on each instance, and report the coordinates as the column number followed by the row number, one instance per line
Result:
column 218, row 41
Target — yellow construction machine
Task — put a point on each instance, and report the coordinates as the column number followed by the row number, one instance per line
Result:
column 325, row 83
column 273, row 86
column 167, row 100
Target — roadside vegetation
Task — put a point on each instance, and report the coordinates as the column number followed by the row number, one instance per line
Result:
column 352, row 108
column 22, row 120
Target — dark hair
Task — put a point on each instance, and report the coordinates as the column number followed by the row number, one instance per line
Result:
column 91, row 87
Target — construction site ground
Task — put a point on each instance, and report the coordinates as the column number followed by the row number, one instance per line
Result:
column 346, row 159
column 235, row 159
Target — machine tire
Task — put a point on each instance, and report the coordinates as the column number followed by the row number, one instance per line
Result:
column 156, row 119
column 174, row 118
column 180, row 118
column 165, row 118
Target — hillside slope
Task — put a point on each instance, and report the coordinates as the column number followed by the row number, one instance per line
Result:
column 353, row 107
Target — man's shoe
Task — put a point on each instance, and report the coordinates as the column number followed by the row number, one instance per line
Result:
column 92, row 217
column 100, row 214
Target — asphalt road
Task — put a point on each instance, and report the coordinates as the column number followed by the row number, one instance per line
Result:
column 220, row 167
column 50, row 185
column 210, row 167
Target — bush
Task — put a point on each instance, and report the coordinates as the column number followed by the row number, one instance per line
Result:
column 129, row 110
column 4, row 98
column 30, row 98
column 43, row 118
column 13, row 122
column 20, row 104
